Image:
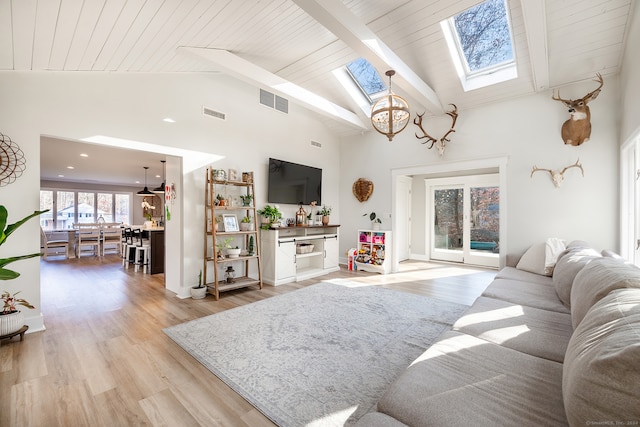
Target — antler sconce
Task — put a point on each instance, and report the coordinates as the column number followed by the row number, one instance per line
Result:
column 557, row 176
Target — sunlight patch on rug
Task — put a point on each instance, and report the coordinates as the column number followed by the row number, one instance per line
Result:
column 319, row 356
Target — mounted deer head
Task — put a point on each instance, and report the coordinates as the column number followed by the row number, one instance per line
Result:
column 577, row 129
column 442, row 142
column 557, row 176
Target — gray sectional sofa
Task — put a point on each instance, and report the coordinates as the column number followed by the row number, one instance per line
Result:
column 532, row 350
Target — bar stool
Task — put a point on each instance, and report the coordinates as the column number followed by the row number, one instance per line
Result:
column 128, row 247
column 142, row 250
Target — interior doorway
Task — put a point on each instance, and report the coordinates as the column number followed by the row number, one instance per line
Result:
column 630, row 199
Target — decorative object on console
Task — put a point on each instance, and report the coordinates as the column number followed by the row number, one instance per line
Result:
column 557, row 176
column 441, row 143
column 270, row 214
column 325, row 212
column 12, row 160
column 301, row 216
column 390, row 114
column 145, row 191
column 362, row 188
column 577, row 129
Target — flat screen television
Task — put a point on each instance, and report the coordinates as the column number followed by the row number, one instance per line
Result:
column 292, row 183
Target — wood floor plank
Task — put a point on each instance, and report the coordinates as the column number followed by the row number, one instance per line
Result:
column 104, row 361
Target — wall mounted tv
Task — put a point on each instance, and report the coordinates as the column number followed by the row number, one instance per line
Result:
column 292, row 183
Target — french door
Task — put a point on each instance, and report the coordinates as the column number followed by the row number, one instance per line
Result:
column 464, row 224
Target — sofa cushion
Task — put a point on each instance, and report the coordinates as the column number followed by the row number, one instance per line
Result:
column 463, row 380
column 597, row 279
column 524, row 276
column 525, row 293
column 537, row 332
column 601, row 376
column 568, row 265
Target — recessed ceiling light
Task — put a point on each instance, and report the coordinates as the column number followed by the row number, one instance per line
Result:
column 158, row 176
column 84, row 155
column 60, row 176
column 168, row 120
column 70, row 167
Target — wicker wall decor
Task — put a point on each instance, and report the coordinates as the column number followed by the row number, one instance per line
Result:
column 362, row 189
column 12, row 161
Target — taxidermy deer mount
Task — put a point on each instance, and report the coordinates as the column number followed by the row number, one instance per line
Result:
column 441, row 143
column 577, row 129
column 557, row 176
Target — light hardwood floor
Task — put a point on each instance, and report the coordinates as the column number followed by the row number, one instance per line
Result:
column 104, row 360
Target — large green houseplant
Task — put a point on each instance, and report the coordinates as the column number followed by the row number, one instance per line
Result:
column 11, row 319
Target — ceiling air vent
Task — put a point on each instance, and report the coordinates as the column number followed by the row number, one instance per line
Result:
column 316, row 144
column 213, row 113
column 271, row 100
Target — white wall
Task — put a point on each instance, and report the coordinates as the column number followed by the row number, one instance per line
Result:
column 132, row 106
column 527, row 131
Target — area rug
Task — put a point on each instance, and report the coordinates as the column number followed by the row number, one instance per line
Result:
column 319, row 356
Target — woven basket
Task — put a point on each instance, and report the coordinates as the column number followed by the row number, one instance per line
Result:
column 304, row 248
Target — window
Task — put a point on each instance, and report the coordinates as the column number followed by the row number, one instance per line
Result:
column 367, row 79
column 69, row 207
column 480, row 43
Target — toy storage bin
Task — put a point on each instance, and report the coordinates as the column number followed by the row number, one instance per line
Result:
column 365, row 237
column 378, row 238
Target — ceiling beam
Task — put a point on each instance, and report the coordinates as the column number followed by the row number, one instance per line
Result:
column 337, row 18
column 251, row 73
column 535, row 23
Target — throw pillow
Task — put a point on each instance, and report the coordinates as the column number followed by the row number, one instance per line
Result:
column 533, row 259
column 601, row 375
column 553, row 248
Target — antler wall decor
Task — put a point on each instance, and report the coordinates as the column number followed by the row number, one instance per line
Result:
column 557, row 176
column 577, row 129
column 441, row 143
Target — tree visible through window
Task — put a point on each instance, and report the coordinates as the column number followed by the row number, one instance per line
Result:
column 484, row 35
column 367, row 78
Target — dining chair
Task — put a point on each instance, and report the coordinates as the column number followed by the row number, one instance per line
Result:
column 88, row 236
column 46, row 244
column 111, row 237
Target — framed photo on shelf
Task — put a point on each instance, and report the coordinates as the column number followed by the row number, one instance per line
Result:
column 230, row 222
column 233, row 175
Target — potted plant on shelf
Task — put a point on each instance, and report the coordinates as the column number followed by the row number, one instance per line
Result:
column 246, row 199
column 246, row 224
column 325, row 211
column 375, row 220
column 12, row 319
column 270, row 215
column 233, row 252
column 222, row 245
column 200, row 291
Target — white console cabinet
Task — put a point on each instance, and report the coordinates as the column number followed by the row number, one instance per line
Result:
column 288, row 255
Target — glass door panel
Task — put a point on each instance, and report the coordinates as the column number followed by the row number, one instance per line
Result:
column 448, row 223
column 484, row 225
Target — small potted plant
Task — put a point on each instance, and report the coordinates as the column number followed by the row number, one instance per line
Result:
column 233, row 252
column 221, row 246
column 375, row 220
column 270, row 215
column 246, row 199
column 200, row 291
column 12, row 319
column 325, row 211
column 246, row 224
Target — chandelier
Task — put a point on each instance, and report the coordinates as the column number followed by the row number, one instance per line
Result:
column 390, row 114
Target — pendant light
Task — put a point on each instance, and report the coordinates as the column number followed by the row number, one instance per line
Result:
column 390, row 114
column 160, row 189
column 145, row 191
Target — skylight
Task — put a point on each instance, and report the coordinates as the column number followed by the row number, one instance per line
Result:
column 366, row 78
column 481, row 46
